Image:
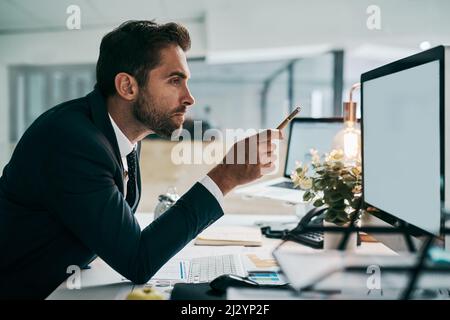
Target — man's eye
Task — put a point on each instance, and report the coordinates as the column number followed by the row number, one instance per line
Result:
column 176, row 81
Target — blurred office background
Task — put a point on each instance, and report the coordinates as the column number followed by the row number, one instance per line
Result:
column 251, row 62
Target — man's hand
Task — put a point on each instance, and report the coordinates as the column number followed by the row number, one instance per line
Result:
column 247, row 160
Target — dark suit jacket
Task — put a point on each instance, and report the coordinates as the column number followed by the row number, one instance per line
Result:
column 61, row 204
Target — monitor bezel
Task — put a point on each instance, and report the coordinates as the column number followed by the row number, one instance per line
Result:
column 434, row 54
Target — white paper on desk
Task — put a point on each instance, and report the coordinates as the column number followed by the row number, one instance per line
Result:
column 230, row 235
column 174, row 269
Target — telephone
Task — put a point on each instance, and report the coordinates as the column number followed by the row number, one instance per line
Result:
column 314, row 239
column 314, row 217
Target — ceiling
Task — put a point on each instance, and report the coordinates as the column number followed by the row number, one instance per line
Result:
column 17, row 16
column 31, row 16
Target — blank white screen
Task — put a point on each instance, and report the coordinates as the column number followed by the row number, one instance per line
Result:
column 401, row 145
column 310, row 135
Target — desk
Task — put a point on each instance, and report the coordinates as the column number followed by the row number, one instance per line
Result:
column 102, row 282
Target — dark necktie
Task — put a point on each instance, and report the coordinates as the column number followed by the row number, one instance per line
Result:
column 131, row 185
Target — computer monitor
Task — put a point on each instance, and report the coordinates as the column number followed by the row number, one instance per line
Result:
column 403, row 140
column 310, row 133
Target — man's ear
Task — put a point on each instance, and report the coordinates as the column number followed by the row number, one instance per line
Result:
column 126, row 86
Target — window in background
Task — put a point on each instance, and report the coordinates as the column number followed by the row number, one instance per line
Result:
column 275, row 101
column 314, row 86
column 229, row 95
column 315, row 83
column 236, row 95
column 35, row 89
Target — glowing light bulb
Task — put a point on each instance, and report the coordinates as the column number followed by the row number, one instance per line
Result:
column 349, row 141
column 349, row 138
column 352, row 143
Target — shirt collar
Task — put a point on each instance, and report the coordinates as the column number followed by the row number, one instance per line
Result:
column 125, row 145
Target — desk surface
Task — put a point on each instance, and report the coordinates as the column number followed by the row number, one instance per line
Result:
column 102, row 282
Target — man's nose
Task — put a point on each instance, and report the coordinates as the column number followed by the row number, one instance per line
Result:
column 188, row 99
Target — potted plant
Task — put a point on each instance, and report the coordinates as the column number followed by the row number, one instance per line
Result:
column 333, row 183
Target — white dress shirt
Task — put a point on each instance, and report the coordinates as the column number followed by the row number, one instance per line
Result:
column 125, row 147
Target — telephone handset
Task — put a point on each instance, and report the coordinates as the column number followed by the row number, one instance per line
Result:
column 314, row 239
column 314, row 217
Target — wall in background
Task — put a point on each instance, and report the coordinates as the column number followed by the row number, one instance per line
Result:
column 302, row 27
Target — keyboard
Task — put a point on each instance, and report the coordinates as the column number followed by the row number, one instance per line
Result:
column 206, row 269
column 284, row 184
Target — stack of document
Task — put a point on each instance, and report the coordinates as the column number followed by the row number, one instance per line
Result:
column 230, row 236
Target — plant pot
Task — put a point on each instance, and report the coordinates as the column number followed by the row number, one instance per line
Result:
column 332, row 240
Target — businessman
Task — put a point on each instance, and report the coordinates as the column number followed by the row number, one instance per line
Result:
column 70, row 190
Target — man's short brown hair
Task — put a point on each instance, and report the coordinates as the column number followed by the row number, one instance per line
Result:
column 134, row 47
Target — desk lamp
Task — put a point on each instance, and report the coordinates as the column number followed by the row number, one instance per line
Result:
column 349, row 138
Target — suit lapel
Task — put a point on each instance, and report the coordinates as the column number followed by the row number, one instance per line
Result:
column 101, row 120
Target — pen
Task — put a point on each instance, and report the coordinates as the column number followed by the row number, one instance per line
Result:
column 289, row 118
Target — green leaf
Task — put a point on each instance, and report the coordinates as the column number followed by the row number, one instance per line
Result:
column 343, row 189
column 308, row 195
column 330, row 215
column 318, row 184
column 336, row 197
column 349, row 184
column 348, row 178
column 333, row 174
column 342, row 215
column 340, row 207
column 341, row 222
column 327, row 181
column 318, row 203
column 355, row 172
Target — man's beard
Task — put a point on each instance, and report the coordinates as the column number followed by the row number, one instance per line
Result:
column 159, row 121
